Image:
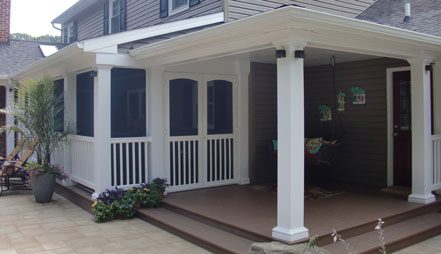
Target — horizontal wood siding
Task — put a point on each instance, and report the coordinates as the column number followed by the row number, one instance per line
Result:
column 263, row 122
column 90, row 22
column 140, row 13
column 238, row 9
column 362, row 157
column 143, row 13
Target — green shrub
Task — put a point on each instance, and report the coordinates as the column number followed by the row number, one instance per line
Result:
column 125, row 207
column 103, row 212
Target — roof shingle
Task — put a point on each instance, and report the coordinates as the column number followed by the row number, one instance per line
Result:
column 426, row 15
column 17, row 55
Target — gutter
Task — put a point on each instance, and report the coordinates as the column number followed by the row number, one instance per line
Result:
column 68, row 51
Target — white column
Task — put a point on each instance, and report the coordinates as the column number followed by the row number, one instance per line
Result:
column 437, row 96
column 290, row 136
column 243, row 71
column 102, row 114
column 421, row 132
column 69, row 117
column 156, row 120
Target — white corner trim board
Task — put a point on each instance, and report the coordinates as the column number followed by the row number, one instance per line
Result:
column 96, row 44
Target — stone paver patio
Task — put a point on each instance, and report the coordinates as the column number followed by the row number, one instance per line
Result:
column 62, row 227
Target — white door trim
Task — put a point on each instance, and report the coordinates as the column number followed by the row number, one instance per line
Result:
column 390, row 117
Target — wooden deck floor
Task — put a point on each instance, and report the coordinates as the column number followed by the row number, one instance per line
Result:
column 255, row 210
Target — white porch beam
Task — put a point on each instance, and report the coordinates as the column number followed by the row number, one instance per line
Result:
column 421, row 132
column 102, row 123
column 290, row 136
column 437, row 97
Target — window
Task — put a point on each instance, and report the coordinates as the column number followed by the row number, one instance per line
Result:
column 69, row 32
column 170, row 7
column 178, row 5
column 85, row 116
column 114, row 16
column 128, row 103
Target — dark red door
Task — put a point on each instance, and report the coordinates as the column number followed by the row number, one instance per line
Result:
column 402, row 129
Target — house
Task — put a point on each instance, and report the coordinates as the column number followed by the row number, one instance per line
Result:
column 196, row 90
column 15, row 55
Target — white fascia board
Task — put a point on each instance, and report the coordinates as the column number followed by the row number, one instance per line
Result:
column 64, row 53
column 294, row 17
column 4, row 77
column 94, row 45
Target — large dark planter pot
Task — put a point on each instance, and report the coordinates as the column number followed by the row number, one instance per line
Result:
column 43, row 187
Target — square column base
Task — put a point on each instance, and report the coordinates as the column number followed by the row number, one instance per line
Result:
column 421, row 199
column 290, row 236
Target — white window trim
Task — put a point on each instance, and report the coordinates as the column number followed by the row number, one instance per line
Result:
column 172, row 11
column 69, row 27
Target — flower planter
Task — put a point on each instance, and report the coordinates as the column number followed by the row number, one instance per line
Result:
column 43, row 186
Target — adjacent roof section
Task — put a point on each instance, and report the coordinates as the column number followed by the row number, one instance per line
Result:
column 426, row 15
column 239, row 9
column 17, row 55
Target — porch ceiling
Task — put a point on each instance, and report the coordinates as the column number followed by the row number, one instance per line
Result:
column 319, row 29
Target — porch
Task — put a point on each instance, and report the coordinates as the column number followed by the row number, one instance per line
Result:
column 249, row 214
column 169, row 128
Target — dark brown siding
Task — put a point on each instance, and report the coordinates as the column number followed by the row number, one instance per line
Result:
column 238, row 9
column 362, row 157
column 263, row 121
column 140, row 13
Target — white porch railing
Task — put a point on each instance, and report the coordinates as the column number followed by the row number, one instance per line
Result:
column 436, row 140
column 82, row 157
column 130, row 161
column 220, row 159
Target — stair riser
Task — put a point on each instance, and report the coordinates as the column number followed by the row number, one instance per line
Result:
column 185, row 235
column 220, row 225
column 406, row 242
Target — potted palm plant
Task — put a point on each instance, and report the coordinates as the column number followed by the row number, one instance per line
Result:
column 38, row 113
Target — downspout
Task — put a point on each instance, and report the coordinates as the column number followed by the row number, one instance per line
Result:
column 407, row 11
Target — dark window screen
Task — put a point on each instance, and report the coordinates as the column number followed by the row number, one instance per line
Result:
column 183, row 107
column 59, row 108
column 85, row 104
column 128, row 103
column 219, row 107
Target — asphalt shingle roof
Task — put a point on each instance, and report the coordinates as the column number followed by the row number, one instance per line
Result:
column 17, row 55
column 426, row 15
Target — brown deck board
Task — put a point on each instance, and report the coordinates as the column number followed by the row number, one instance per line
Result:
column 255, row 211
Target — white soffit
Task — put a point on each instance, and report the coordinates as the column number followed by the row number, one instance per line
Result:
column 48, row 50
column 111, row 41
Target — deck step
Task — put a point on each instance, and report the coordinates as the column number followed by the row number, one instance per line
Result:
column 391, row 220
column 201, row 234
column 397, row 236
column 256, row 237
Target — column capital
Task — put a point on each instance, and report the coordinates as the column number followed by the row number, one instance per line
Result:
column 420, row 60
column 104, row 67
column 291, row 44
